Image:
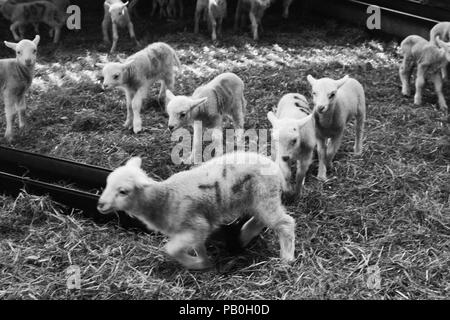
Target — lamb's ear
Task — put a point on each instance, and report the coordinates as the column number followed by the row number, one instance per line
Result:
column 36, row 40
column 272, row 118
column 100, row 65
column 11, row 45
column 197, row 102
column 169, row 95
column 311, row 79
column 107, row 5
column 342, row 81
column 134, row 162
column 126, row 3
column 302, row 122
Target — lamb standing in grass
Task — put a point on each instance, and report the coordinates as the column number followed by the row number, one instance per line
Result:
column 294, row 136
column 16, row 76
column 22, row 14
column 116, row 15
column 430, row 61
column 190, row 205
column 336, row 102
column 216, row 11
column 207, row 106
column 255, row 9
column 138, row 73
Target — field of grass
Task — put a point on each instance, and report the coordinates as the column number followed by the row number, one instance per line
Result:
column 388, row 209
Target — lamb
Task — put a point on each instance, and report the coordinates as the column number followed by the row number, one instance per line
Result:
column 441, row 29
column 336, row 102
column 16, row 76
column 224, row 95
column 256, row 9
column 35, row 12
column 116, row 14
column 190, row 205
column 430, row 61
column 136, row 75
column 216, row 12
column 294, row 137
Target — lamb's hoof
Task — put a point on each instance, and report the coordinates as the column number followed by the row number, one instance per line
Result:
column 358, row 151
column 9, row 138
column 406, row 93
column 128, row 126
column 322, row 178
column 288, row 259
column 137, row 130
column 417, row 101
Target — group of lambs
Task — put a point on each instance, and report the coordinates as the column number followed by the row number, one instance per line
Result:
column 188, row 206
column 118, row 15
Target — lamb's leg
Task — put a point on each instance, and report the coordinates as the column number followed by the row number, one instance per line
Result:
column 136, row 105
column 274, row 216
column 359, row 130
column 21, row 108
column 154, row 6
column 302, row 168
column 254, row 22
column 14, row 28
column 420, row 82
column 10, row 111
column 129, row 121
column 286, row 5
column 437, row 80
column 167, row 83
column 213, row 23
column 105, row 24
column 333, row 147
column 133, row 34
column 405, row 75
column 115, row 37
column 179, row 246
column 322, row 153
column 198, row 14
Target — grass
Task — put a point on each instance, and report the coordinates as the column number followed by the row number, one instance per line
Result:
column 388, row 208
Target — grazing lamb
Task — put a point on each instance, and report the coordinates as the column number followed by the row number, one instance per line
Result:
column 116, row 14
column 430, row 61
column 137, row 74
column 216, row 12
column 294, row 136
column 224, row 95
column 256, row 9
column 35, row 12
column 16, row 76
column 336, row 102
column 190, row 205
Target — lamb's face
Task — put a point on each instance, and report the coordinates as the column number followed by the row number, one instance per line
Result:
column 26, row 51
column 112, row 75
column 324, row 92
column 122, row 186
column 286, row 136
column 117, row 10
column 178, row 109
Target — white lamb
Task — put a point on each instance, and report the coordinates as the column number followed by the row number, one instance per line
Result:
column 188, row 206
column 222, row 96
column 255, row 9
column 294, row 136
column 216, row 12
column 138, row 73
column 16, row 76
column 430, row 61
column 116, row 15
column 336, row 102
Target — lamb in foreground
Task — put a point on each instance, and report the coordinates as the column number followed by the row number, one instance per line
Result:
column 294, row 137
column 138, row 73
column 255, row 10
column 216, row 11
column 116, row 15
column 222, row 96
column 190, row 205
column 431, row 61
column 16, row 76
column 336, row 102
column 35, row 12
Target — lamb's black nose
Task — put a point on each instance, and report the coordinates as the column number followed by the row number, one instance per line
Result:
column 171, row 128
column 285, row 158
